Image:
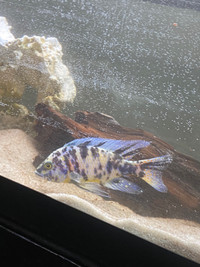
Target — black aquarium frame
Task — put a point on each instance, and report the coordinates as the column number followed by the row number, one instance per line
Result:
column 36, row 230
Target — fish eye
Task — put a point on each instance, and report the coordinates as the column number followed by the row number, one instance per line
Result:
column 48, row 165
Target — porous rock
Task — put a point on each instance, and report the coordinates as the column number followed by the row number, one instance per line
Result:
column 33, row 62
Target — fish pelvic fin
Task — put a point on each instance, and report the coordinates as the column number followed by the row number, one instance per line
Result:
column 95, row 188
column 89, row 186
column 151, row 170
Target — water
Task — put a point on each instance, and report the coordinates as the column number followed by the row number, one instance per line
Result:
column 137, row 61
column 134, row 60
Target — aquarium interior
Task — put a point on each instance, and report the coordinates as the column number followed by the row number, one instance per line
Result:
column 136, row 61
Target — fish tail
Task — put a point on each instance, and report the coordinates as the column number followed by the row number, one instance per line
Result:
column 150, row 170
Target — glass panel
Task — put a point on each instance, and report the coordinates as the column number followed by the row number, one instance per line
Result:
column 63, row 67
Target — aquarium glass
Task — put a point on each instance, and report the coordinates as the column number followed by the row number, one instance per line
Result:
column 120, row 70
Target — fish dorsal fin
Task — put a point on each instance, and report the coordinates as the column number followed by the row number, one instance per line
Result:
column 125, row 148
column 77, row 142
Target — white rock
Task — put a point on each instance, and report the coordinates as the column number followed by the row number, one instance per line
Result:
column 5, row 34
column 36, row 62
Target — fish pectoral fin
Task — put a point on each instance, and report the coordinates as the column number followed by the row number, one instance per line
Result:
column 123, row 185
column 154, row 178
column 74, row 176
column 89, row 186
column 95, row 188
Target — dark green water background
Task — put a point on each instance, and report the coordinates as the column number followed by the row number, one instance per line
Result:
column 128, row 58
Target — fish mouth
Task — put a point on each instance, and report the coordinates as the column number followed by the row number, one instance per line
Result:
column 43, row 176
column 36, row 172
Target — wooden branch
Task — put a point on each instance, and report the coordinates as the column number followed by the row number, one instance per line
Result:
column 182, row 177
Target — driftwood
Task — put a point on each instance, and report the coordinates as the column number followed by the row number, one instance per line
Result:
column 182, row 177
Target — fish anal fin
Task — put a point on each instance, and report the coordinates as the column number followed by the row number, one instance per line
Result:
column 123, row 185
column 154, row 178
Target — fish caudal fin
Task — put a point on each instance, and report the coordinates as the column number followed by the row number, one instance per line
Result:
column 154, row 178
column 152, row 171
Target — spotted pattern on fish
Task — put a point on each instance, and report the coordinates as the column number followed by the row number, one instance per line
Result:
column 83, row 152
column 58, row 153
column 58, row 162
column 76, row 167
column 64, row 150
column 95, row 152
column 109, row 166
column 85, row 177
column 127, row 168
column 99, row 176
column 72, row 152
column 95, row 160
column 67, row 163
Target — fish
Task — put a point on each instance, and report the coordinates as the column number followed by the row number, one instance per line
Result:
column 99, row 164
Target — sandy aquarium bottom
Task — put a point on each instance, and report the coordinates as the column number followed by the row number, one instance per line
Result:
column 177, row 235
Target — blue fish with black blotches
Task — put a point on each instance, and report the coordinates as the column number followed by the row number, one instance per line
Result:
column 96, row 164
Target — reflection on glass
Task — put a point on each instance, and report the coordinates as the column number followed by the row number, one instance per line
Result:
column 135, row 61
